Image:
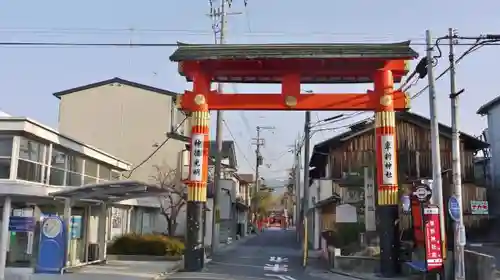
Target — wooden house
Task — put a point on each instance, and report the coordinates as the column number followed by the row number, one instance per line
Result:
column 343, row 157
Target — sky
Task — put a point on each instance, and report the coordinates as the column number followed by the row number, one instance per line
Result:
column 29, row 75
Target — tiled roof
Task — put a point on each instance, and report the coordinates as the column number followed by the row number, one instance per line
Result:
column 401, row 50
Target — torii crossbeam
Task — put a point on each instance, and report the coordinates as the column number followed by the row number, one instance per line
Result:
column 292, row 65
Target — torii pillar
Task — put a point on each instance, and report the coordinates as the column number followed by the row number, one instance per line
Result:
column 387, row 210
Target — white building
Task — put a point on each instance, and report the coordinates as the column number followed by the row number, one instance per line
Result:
column 36, row 162
column 492, row 134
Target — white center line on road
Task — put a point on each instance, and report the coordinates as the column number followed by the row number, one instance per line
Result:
column 276, row 267
column 280, row 276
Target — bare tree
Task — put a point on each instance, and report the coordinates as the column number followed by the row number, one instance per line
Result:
column 174, row 197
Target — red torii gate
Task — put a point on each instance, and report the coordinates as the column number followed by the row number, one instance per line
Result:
column 292, row 65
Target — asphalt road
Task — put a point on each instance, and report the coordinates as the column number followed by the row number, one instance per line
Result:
column 273, row 254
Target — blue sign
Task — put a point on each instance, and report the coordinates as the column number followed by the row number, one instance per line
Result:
column 22, row 224
column 454, row 208
column 76, row 227
column 52, row 248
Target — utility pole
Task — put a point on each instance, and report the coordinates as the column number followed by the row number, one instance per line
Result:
column 296, row 183
column 459, row 229
column 437, row 190
column 307, row 144
column 218, row 16
column 259, row 142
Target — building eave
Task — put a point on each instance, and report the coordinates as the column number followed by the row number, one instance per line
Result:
column 114, row 80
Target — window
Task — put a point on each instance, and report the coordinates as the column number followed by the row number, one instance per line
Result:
column 89, row 180
column 73, row 179
column 56, row 177
column 58, row 159
column 30, row 163
column 29, row 171
column 75, row 163
column 90, row 168
column 90, row 172
column 5, row 155
column 4, row 168
column 66, row 169
column 31, row 150
column 6, row 146
column 104, row 172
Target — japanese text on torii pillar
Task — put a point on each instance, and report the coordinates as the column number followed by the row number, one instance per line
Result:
column 196, row 157
column 388, row 158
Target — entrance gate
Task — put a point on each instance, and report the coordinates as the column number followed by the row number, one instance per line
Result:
column 292, row 65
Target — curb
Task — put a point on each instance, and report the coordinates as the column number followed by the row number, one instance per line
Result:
column 348, row 274
column 367, row 277
column 174, row 269
column 178, row 266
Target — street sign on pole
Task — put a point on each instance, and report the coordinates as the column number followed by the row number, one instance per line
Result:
column 454, row 208
column 423, row 192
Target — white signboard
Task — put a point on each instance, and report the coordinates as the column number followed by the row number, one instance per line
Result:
column 388, row 158
column 479, row 207
column 346, row 213
column 197, row 142
column 370, row 219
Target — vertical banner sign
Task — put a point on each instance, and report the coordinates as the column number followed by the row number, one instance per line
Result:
column 388, row 154
column 433, row 250
column 196, row 157
column 370, row 219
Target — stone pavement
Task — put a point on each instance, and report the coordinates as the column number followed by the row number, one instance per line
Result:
column 113, row 270
column 272, row 254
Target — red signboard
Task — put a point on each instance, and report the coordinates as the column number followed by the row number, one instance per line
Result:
column 433, row 246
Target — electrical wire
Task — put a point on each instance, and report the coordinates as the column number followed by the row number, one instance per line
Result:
column 435, row 60
column 155, row 151
column 160, row 31
column 350, row 116
column 144, row 45
column 238, row 146
column 319, row 121
column 474, row 47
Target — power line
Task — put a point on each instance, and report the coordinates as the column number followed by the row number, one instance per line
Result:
column 119, row 31
column 474, row 47
column 155, row 151
column 237, row 145
column 68, row 44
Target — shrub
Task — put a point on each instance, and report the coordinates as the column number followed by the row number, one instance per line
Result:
column 344, row 234
column 148, row 244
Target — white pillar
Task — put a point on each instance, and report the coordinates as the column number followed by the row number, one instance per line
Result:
column 85, row 232
column 67, row 222
column 4, row 235
column 101, row 229
column 14, row 157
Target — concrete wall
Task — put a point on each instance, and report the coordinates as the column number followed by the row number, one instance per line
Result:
column 127, row 122
column 494, row 141
column 226, row 198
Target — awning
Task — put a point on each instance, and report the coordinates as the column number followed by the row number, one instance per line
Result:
column 110, row 191
column 328, row 201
